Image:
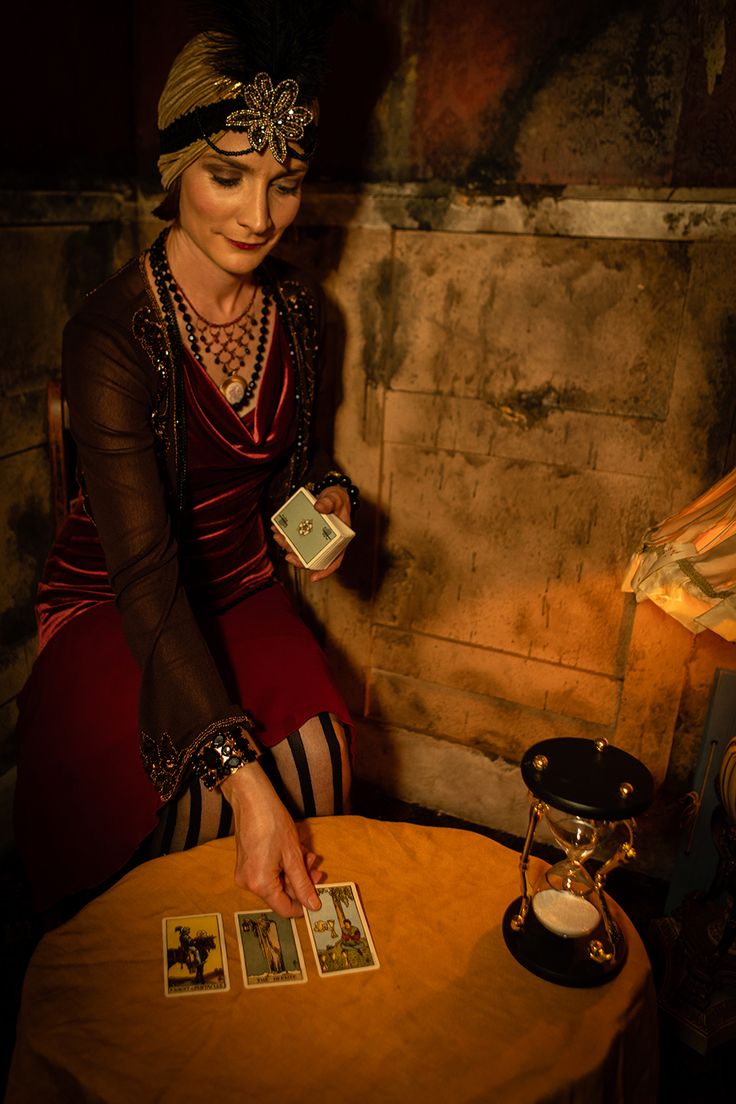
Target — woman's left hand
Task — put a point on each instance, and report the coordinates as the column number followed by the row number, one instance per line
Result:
column 333, row 500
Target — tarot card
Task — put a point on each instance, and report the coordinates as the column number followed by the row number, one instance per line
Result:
column 339, row 932
column 194, row 955
column 270, row 951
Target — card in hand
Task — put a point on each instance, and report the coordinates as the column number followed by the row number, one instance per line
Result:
column 270, row 951
column 339, row 932
column 315, row 539
column 194, row 955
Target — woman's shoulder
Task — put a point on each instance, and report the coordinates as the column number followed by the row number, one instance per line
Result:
column 300, row 291
column 114, row 302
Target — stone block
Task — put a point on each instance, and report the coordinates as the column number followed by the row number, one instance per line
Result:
column 449, row 777
column 521, row 558
column 492, row 673
column 530, row 325
column 493, row 725
column 567, row 438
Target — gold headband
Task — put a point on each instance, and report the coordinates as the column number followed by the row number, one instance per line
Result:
column 271, row 115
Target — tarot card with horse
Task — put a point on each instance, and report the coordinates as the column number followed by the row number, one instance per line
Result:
column 270, row 951
column 195, row 960
column 339, row 933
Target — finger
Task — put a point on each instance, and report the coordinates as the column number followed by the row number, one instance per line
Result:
column 315, row 576
column 282, row 902
column 301, row 885
column 335, row 500
column 316, row 875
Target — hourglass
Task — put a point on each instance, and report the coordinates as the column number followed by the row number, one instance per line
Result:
column 561, row 927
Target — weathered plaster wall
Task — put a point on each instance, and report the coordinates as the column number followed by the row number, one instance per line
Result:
column 518, row 408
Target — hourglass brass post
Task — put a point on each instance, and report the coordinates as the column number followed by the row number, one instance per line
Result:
column 536, row 812
column 624, row 853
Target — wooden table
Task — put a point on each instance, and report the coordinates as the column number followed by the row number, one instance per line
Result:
column 449, row 1017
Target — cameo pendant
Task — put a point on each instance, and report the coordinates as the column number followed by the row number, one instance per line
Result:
column 233, row 388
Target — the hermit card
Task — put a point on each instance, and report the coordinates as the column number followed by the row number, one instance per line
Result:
column 270, row 951
column 194, row 955
column 339, row 932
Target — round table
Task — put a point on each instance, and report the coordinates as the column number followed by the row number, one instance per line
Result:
column 449, row 1016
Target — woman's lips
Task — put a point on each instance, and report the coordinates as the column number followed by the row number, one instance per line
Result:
column 245, row 246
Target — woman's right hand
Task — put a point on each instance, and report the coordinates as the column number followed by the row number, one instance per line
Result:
column 270, row 859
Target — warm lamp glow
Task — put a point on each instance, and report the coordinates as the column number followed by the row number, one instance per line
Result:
column 687, row 564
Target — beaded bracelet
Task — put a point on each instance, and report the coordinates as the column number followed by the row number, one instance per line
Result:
column 229, row 750
column 337, row 479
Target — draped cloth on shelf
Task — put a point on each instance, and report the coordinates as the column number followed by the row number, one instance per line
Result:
column 687, row 564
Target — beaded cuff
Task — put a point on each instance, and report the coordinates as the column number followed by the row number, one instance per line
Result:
column 337, row 479
column 225, row 753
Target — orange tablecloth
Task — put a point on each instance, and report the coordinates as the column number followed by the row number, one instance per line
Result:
column 449, row 1017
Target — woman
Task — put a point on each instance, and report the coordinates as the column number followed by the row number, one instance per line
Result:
column 192, row 380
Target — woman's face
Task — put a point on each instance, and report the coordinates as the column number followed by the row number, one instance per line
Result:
column 234, row 209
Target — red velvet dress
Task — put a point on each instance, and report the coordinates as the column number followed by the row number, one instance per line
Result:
column 83, row 801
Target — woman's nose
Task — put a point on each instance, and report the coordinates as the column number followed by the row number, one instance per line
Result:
column 255, row 214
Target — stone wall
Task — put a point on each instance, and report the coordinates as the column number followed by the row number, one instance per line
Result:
column 526, row 389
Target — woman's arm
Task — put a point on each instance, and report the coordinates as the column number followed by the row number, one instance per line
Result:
column 305, row 314
column 110, row 404
column 183, row 703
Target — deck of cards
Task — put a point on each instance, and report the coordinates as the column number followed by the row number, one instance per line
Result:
column 315, row 539
column 195, row 960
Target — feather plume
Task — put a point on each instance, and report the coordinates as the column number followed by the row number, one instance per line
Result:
column 284, row 38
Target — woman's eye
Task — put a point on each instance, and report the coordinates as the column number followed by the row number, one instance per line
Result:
column 288, row 189
column 226, row 181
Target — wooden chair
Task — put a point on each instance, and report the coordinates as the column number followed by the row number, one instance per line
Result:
column 62, row 454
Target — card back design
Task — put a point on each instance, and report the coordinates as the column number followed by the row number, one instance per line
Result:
column 339, row 933
column 194, row 955
column 270, row 951
column 316, row 539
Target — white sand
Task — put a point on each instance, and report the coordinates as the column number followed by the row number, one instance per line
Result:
column 564, row 913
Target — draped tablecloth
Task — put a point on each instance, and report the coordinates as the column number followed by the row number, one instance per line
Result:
column 449, row 1016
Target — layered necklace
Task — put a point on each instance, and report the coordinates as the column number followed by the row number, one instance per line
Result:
column 228, row 343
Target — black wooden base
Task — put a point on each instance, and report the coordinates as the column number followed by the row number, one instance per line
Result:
column 562, row 961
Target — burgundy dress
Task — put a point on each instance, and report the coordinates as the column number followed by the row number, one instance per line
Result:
column 83, row 801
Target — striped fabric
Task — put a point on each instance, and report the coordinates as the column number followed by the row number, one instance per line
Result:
column 310, row 771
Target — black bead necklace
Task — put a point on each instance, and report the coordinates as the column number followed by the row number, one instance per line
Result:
column 237, row 391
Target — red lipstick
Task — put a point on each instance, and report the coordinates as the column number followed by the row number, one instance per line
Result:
column 245, row 246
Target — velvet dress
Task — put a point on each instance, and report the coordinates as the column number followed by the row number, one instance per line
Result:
column 83, row 800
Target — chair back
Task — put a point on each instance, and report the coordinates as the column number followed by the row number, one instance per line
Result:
column 62, row 454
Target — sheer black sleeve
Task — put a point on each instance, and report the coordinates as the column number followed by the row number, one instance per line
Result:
column 183, row 702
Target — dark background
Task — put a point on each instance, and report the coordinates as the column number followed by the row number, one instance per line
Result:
column 431, row 90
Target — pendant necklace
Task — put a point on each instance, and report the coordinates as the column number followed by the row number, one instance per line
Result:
column 228, row 342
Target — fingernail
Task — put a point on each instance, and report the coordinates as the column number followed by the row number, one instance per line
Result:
column 314, row 902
